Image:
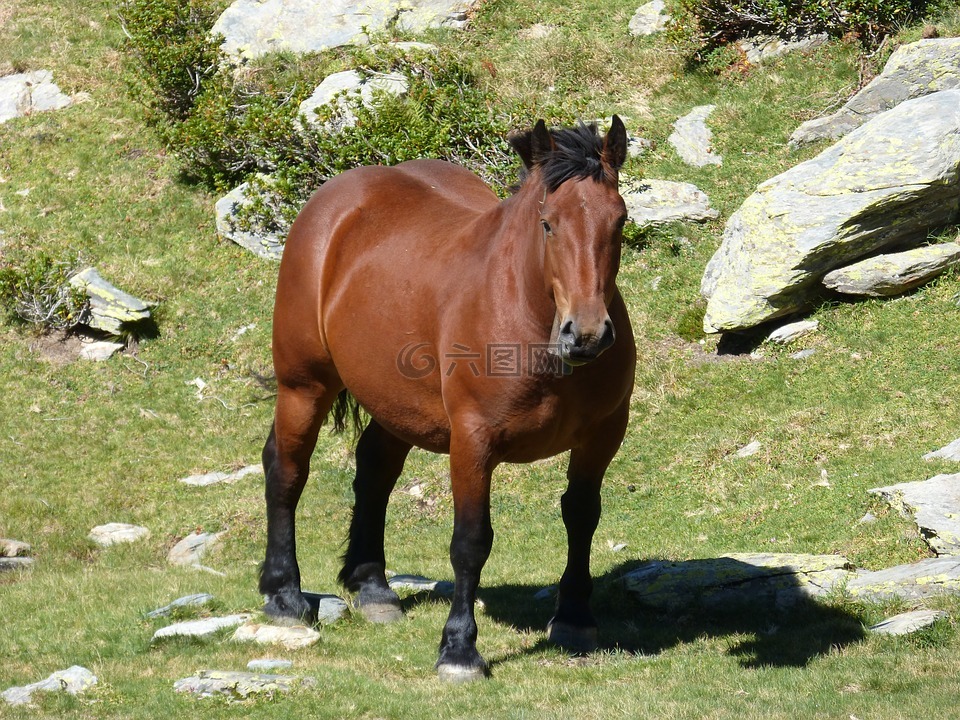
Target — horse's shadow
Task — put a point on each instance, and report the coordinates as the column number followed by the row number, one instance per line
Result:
column 775, row 622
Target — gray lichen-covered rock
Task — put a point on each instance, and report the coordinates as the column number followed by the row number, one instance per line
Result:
column 951, row 451
column 765, row 48
column 117, row 533
column 692, row 139
column 264, row 244
column 238, row 685
column 74, row 680
column 886, row 184
column 894, row 273
column 195, row 600
column 783, row 579
column 191, row 549
column 28, row 93
column 252, row 28
column 100, row 351
column 111, row 309
column 920, row 68
column 915, row 581
column 328, row 608
column 934, row 505
column 346, row 87
column 786, row 334
column 908, row 622
column 656, row 202
column 649, row 19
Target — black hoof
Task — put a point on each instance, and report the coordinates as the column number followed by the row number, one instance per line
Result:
column 289, row 608
column 574, row 638
column 378, row 604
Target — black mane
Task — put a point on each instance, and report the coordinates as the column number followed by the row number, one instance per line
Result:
column 576, row 153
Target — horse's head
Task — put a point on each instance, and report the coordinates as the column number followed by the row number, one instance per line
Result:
column 581, row 215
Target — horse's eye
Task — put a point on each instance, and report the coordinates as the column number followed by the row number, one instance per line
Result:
column 546, row 227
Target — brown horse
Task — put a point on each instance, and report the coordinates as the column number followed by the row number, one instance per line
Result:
column 462, row 325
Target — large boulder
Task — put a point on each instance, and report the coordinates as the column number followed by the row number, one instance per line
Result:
column 885, row 185
column 252, row 28
column 917, row 69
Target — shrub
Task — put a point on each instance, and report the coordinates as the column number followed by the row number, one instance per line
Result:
column 36, row 289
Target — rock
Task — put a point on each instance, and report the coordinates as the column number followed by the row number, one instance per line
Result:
column 15, row 563
column 200, row 628
column 111, row 309
column 765, row 48
column 749, row 449
column 908, row 622
column 539, row 31
column 268, row 665
column 915, row 581
column 867, row 519
column 794, row 331
column 252, row 28
column 637, row 146
column 649, row 19
column 192, row 548
column 418, row 583
column 803, row 354
column 267, row 245
column 947, row 452
column 213, row 478
column 345, row 88
column 914, row 70
column 895, row 273
column 656, row 202
column 28, row 93
column 886, row 184
column 73, row 680
column 292, row 637
column 13, row 548
column 100, row 351
column 328, row 608
column 736, row 578
column 115, row 533
column 691, row 138
column 195, row 600
column 935, row 507
column 547, row 593
column 238, row 685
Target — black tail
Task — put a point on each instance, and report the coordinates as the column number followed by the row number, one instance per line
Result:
column 347, row 411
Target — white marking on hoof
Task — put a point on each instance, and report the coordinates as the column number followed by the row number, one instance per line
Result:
column 460, row 673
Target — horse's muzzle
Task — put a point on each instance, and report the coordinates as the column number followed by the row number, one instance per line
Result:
column 578, row 346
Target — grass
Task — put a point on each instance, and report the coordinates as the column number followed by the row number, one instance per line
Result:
column 84, row 444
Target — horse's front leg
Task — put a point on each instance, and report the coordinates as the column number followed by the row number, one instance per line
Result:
column 573, row 626
column 470, row 472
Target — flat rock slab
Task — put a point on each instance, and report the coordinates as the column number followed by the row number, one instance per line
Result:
column 934, row 505
column 947, row 452
column 266, row 665
column 267, row 245
column 100, row 351
column 117, row 533
column 886, row 184
column 195, row 600
column 346, row 87
column 657, row 202
column 915, row 581
column 914, row 70
column 784, row 579
column 418, row 583
column 252, row 28
column 73, row 680
column 15, row 563
column 328, row 608
column 13, row 548
column 764, row 48
column 908, row 622
column 894, row 273
column 200, row 628
column 692, row 139
column 786, row 334
column 649, row 19
column 213, row 478
column 111, row 309
column 29, row 93
column 192, row 548
column 238, row 685
column 292, row 638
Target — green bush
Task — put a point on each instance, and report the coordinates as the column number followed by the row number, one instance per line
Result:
column 704, row 26
column 36, row 289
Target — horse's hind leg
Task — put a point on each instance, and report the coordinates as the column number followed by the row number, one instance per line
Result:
column 380, row 458
column 286, row 463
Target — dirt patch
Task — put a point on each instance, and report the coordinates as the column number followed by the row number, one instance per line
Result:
column 58, row 349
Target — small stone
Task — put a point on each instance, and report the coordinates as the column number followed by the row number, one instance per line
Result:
column 751, row 448
column 418, row 583
column 657, row 202
column 649, row 19
column 193, row 547
column 691, row 138
column 538, row 31
column 908, row 622
column 27, row 93
column 328, row 608
column 114, row 533
column 268, row 665
column 803, row 354
column 186, row 601
column 73, row 680
column 793, row 331
column 237, row 685
column 616, row 546
column 212, row 478
column 637, row 146
column 111, row 309
column 947, row 452
column 200, row 628
column 292, row 638
column 546, row 593
column 100, row 351
column 15, row 563
column 13, row 548
column 867, row 519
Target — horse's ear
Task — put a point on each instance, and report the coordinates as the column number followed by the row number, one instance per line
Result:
column 533, row 145
column 615, row 144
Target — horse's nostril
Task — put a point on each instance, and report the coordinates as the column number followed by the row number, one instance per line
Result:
column 567, row 328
